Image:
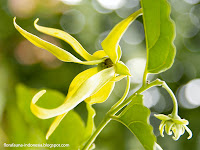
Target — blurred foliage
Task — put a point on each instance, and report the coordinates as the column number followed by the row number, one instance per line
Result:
column 15, row 124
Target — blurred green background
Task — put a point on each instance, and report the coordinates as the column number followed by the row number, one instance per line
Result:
column 24, row 69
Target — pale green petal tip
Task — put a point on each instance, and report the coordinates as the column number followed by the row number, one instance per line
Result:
column 14, row 22
column 161, row 128
column 122, row 69
column 37, row 96
column 168, row 127
column 47, row 137
column 162, row 117
column 189, row 132
column 36, row 21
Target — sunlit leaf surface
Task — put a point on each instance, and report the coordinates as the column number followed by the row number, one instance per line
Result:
column 70, row 131
column 160, row 33
column 136, row 118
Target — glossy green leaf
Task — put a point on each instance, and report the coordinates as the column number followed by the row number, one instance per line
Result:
column 160, row 34
column 136, row 118
column 70, row 131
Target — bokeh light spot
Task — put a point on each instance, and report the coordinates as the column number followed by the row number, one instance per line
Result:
column 71, row 2
column 192, row 91
column 194, row 15
column 174, row 74
column 99, row 8
column 182, row 100
column 134, row 34
column 185, row 27
column 151, row 97
column 111, row 4
column 192, row 1
column 22, row 8
column 136, row 66
column 72, row 21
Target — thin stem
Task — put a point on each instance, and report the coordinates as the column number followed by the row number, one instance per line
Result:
column 114, row 110
column 107, row 119
column 122, row 103
column 124, row 96
column 142, row 89
column 144, row 81
column 96, row 133
column 175, row 108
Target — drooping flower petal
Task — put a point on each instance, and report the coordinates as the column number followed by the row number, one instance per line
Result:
column 55, row 124
column 177, row 130
column 161, row 128
column 162, row 117
column 85, row 90
column 168, row 127
column 111, row 42
column 67, row 38
column 119, row 53
column 79, row 79
column 122, row 69
column 90, row 121
column 118, row 78
column 75, row 84
column 102, row 94
column 55, row 50
column 181, row 121
column 189, row 132
column 99, row 54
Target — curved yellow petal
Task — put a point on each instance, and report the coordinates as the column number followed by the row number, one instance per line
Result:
column 55, row 50
column 85, row 90
column 122, row 69
column 177, row 130
column 79, row 79
column 119, row 53
column 67, row 38
column 181, row 121
column 168, row 127
column 161, row 128
column 55, row 124
column 102, row 95
column 118, row 78
column 90, row 121
column 162, row 117
column 99, row 54
column 189, row 132
column 111, row 42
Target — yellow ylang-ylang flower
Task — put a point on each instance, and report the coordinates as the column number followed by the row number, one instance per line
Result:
column 93, row 85
column 173, row 124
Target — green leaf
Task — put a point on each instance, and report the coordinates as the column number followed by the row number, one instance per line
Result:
column 160, row 34
column 136, row 118
column 70, row 131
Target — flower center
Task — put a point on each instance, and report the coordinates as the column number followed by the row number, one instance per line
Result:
column 106, row 64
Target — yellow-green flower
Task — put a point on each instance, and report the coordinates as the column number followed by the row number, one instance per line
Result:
column 173, row 124
column 93, row 85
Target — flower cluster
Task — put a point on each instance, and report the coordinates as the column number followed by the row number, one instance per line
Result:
column 173, row 123
column 93, row 85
